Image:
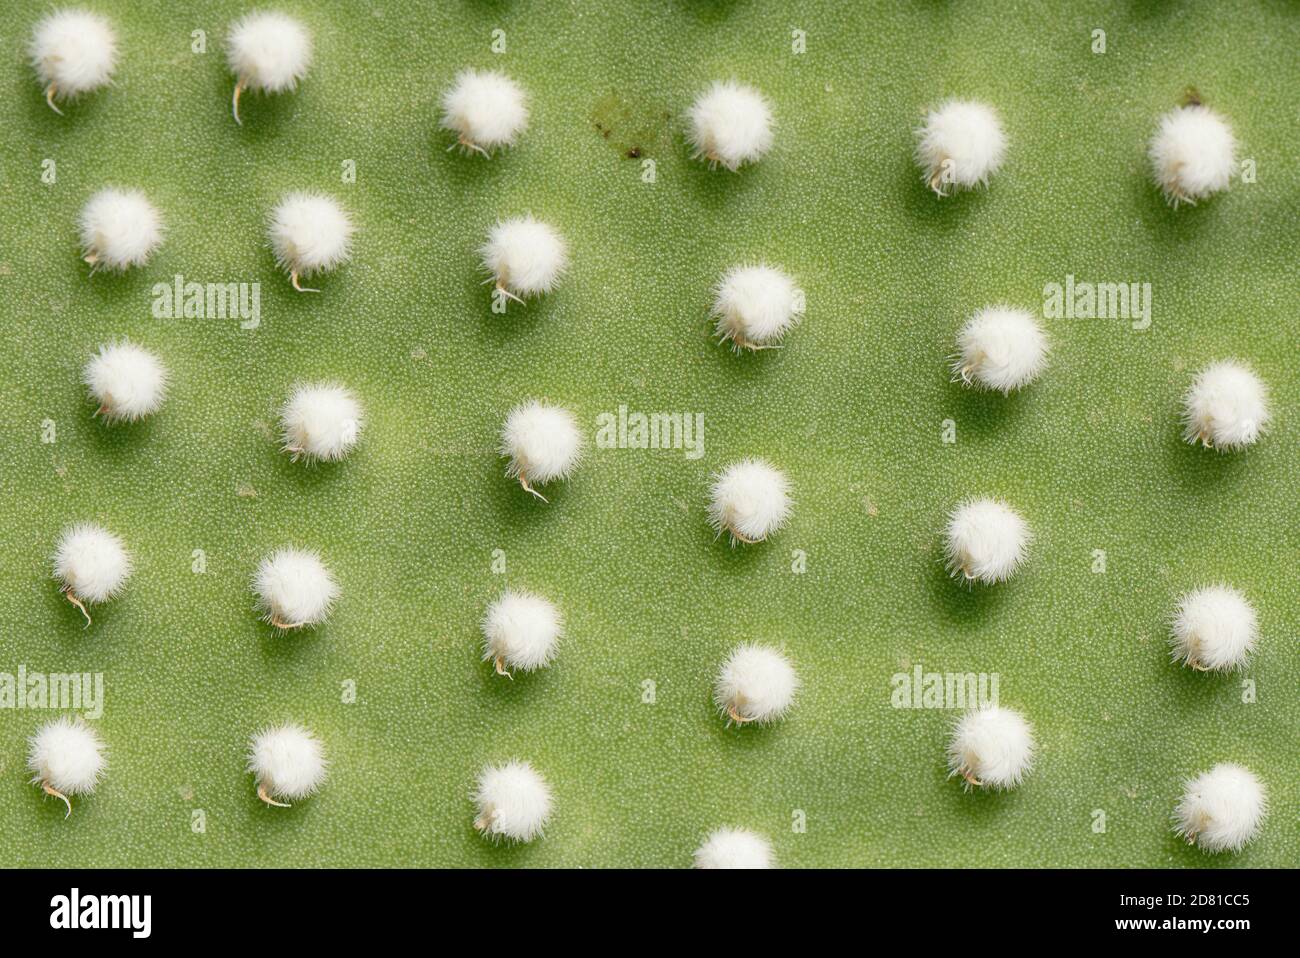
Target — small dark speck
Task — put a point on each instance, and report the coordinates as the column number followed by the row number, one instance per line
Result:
column 633, row 153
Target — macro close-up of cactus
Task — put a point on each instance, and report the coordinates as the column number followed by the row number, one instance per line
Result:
column 650, row 434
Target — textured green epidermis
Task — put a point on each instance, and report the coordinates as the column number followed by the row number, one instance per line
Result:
column 853, row 408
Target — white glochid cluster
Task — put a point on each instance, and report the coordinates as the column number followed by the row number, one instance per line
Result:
column 119, row 229
column 1193, row 154
column 91, row 564
column 960, row 145
column 756, row 683
column 520, row 632
column 1000, row 348
column 268, row 52
column 1222, row 809
column 1215, row 629
column 524, row 256
column 730, row 125
column 542, row 442
column 294, row 588
column 73, row 52
column 320, row 422
column 310, row 233
column 485, row 109
column 754, row 306
column 986, row 541
column 734, row 848
column 287, row 762
column 1226, row 407
column 749, row 500
column 991, row 747
column 514, row 802
column 66, row 757
column 127, row 381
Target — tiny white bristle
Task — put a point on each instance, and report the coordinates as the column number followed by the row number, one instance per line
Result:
column 268, row 52
column 310, row 233
column 754, row 306
column 524, row 256
column 91, row 562
column 1193, row 154
column 1222, row 809
column 986, row 540
column 320, row 421
column 734, row 848
column 66, row 755
column 755, row 684
column 1000, row 348
column 294, row 588
column 960, row 145
column 119, row 229
column 520, row 631
column 730, row 124
column 73, row 52
column 542, row 442
column 127, row 381
column 485, row 109
column 991, row 747
column 287, row 762
column 1215, row 629
column 1226, row 407
column 514, row 802
column 749, row 500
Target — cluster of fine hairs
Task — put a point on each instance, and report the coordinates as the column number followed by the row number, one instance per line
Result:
column 960, row 145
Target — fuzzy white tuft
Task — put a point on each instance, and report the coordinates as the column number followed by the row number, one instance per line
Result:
column 991, row 747
column 525, row 256
column 1193, row 154
column 294, row 589
column 67, row 755
column 287, row 762
column 755, row 305
column 730, row 124
column 1215, row 629
column 268, row 52
column 513, row 802
column 543, row 443
column 73, row 52
column 1000, row 348
column 520, row 631
column 1226, row 407
column 119, row 229
column 749, row 500
column 485, row 109
column 986, row 540
column 310, row 233
column 734, row 848
column 1221, row 810
column 320, row 421
column 127, row 381
column 755, row 684
column 91, row 562
column 960, row 146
